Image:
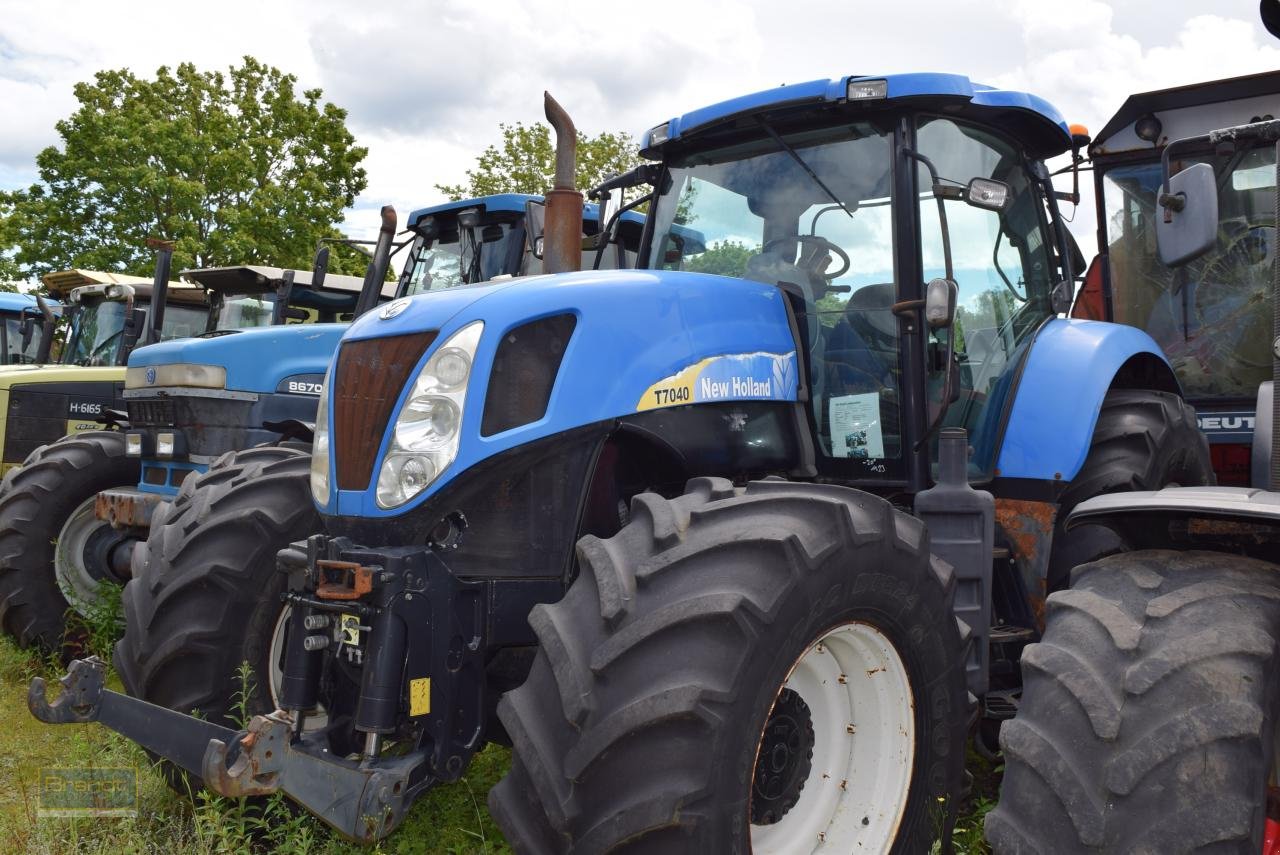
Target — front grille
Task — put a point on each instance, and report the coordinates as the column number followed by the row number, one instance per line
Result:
column 156, row 412
column 367, row 382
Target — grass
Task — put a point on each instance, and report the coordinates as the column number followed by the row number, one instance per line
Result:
column 448, row 819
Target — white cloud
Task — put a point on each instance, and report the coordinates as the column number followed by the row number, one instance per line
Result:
column 427, row 82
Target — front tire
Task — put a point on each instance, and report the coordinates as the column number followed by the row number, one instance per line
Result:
column 205, row 596
column 50, row 543
column 720, row 668
column 1148, row 716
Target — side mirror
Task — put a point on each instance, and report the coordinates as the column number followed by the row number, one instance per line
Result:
column 609, row 207
column 1187, row 224
column 534, row 217
column 319, row 268
column 26, row 327
column 940, row 303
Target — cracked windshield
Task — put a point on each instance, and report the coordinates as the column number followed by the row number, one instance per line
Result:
column 1213, row 316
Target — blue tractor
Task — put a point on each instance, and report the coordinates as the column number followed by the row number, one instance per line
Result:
column 223, row 426
column 733, row 549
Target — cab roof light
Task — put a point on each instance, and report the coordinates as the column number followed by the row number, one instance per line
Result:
column 867, row 90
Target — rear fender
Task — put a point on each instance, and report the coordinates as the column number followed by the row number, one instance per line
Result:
column 1071, row 367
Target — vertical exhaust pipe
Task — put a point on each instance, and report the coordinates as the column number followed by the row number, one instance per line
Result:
column 562, row 226
column 159, row 287
column 376, row 273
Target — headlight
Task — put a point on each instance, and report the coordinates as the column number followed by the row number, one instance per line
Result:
column 424, row 438
column 320, row 448
column 177, row 374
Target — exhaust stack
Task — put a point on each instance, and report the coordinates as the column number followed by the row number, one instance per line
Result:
column 562, row 227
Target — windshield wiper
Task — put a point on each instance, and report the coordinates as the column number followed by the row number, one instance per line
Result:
column 798, row 159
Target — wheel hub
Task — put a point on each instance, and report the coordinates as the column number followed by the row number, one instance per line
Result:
column 786, row 757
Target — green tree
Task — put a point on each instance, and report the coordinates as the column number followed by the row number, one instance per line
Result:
column 524, row 162
column 726, row 258
column 237, row 168
column 10, row 271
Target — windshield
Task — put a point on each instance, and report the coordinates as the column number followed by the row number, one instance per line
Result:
column 14, row 352
column 97, row 330
column 476, row 255
column 1212, row 317
column 243, row 311
column 820, row 218
column 97, row 327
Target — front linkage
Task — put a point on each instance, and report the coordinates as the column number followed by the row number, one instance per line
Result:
column 395, row 621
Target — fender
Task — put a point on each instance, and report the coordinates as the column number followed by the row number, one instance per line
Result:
column 1070, row 369
column 642, row 340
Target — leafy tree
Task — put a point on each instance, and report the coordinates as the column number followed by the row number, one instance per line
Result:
column 10, row 272
column 726, row 258
column 237, row 168
column 524, row 162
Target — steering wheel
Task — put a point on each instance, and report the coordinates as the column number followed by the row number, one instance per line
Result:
column 821, row 243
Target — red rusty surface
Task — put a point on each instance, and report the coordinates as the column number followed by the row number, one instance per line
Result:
column 126, row 508
column 1028, row 528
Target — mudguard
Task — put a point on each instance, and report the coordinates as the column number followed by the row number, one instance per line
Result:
column 1067, row 374
column 643, row 339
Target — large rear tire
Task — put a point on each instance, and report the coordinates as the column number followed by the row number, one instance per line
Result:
column 205, row 596
column 1143, row 440
column 1148, row 716
column 51, row 546
column 767, row 668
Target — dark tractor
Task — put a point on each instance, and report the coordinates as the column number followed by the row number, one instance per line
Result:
column 701, row 540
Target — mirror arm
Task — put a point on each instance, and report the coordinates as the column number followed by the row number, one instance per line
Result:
column 615, row 222
column 942, row 211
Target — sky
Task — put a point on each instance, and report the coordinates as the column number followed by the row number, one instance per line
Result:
column 426, row 83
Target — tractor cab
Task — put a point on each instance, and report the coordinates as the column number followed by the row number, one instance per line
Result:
column 248, row 296
column 499, row 237
column 106, row 314
column 1212, row 317
column 18, row 319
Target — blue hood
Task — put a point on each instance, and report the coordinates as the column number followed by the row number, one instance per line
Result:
column 256, row 359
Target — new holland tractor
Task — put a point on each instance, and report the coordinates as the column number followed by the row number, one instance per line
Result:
column 701, row 540
column 81, row 510
column 18, row 344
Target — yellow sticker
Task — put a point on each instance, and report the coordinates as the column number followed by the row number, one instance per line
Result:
column 351, row 630
column 420, row 696
column 80, row 426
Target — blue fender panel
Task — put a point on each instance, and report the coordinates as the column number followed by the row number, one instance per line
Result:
column 256, row 359
column 1067, row 374
column 635, row 330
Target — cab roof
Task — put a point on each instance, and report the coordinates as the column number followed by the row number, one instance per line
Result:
column 60, row 283
column 1185, row 97
column 257, row 277
column 513, row 203
column 11, row 302
column 1027, row 118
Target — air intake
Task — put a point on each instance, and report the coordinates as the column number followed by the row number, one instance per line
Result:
column 524, row 371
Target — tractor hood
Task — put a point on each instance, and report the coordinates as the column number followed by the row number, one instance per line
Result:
column 634, row 340
column 256, row 360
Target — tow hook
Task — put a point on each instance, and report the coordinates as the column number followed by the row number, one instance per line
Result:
column 256, row 772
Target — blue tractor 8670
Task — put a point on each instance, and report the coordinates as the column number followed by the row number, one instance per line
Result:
column 699, row 540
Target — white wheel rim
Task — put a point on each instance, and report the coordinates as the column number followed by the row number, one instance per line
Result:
column 317, row 718
column 79, row 587
column 855, row 794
